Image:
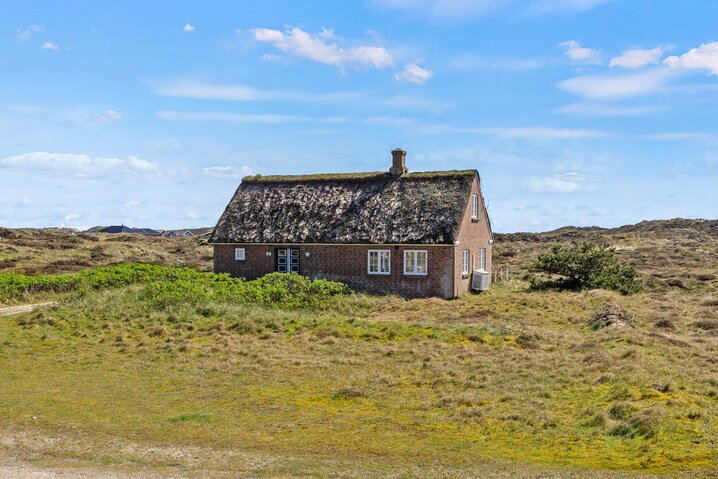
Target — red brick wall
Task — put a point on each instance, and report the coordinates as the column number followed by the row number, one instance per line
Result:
column 474, row 234
column 348, row 264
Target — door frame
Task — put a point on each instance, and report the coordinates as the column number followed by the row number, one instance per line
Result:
column 292, row 258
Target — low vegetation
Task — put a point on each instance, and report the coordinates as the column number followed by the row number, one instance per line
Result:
column 184, row 372
column 50, row 251
column 166, row 286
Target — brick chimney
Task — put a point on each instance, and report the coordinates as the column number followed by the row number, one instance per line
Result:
column 398, row 162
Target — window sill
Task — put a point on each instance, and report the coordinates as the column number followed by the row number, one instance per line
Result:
column 475, row 220
column 465, row 275
column 416, row 275
column 378, row 274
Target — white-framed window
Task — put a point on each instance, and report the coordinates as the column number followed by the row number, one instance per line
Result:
column 465, row 261
column 482, row 259
column 239, row 254
column 415, row 262
column 378, row 261
column 474, row 206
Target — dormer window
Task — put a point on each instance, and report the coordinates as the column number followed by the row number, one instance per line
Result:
column 474, row 207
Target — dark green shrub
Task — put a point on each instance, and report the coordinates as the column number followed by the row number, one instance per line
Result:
column 581, row 266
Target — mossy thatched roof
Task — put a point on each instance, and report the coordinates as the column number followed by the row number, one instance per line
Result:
column 350, row 208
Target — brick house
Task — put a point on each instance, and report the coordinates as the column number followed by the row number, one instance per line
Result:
column 412, row 234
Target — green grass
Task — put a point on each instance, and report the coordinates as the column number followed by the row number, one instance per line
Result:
column 372, row 385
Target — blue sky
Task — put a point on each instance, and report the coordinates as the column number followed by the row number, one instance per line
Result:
column 575, row 112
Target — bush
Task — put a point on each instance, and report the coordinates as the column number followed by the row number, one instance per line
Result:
column 167, row 286
column 581, row 266
column 292, row 290
column 166, row 294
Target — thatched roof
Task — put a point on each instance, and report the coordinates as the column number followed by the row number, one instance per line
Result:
column 353, row 208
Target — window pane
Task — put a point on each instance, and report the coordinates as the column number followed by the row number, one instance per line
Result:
column 384, row 262
column 408, row 261
column 421, row 262
column 372, row 261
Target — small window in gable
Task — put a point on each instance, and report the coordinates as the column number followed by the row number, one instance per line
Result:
column 379, row 261
column 239, row 254
column 474, row 206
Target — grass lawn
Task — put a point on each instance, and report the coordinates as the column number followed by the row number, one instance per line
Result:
column 509, row 383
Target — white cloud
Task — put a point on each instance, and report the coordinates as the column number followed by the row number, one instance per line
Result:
column 79, row 165
column 112, row 115
column 683, row 136
column 542, row 133
column 446, row 10
column 556, row 6
column 228, row 117
column 481, row 63
column 71, row 218
column 107, row 115
column 604, row 86
column 188, row 28
column 205, row 91
column 228, row 171
column 466, row 10
column 396, row 121
column 603, row 110
column 520, row 133
column 334, row 120
column 24, row 34
column 27, row 109
column 49, row 46
column 577, row 53
column 133, row 204
column 564, row 183
column 704, row 57
column 416, row 102
column 638, row 57
column 192, row 215
column 413, row 73
column 321, row 49
column 272, row 57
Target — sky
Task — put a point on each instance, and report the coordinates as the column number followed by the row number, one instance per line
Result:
column 574, row 112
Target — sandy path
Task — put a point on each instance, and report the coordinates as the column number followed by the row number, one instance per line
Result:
column 11, row 469
column 25, row 308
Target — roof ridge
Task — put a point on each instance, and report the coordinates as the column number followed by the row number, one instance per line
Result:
column 359, row 176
